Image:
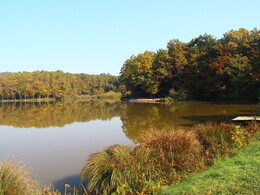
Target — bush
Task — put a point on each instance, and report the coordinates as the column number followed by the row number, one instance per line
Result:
column 178, row 95
column 109, row 95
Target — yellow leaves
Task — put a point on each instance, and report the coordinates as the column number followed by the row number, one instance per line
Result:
column 232, row 45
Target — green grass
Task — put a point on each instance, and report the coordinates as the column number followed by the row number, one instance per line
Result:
column 237, row 175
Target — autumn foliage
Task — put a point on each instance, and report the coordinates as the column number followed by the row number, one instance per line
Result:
column 204, row 68
column 57, row 84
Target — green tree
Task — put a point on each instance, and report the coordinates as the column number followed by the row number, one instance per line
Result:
column 137, row 74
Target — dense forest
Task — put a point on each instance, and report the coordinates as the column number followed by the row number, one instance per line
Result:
column 204, row 68
column 43, row 84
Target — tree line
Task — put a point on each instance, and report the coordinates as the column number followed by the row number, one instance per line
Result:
column 204, row 68
column 57, row 84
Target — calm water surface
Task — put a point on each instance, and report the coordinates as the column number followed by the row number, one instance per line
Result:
column 56, row 139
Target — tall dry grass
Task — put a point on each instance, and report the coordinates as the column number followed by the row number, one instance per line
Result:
column 216, row 139
column 49, row 190
column 176, row 149
column 122, row 170
column 160, row 158
column 250, row 130
column 15, row 179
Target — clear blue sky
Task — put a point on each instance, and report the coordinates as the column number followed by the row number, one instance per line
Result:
column 97, row 36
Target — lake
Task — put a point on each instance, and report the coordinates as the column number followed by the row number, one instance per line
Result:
column 55, row 139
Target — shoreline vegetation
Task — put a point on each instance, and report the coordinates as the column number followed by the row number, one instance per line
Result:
column 205, row 68
column 237, row 175
column 147, row 100
column 29, row 100
column 108, row 95
column 159, row 159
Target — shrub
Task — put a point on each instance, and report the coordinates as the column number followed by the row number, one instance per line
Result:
column 238, row 136
column 178, row 95
column 15, row 179
column 241, row 135
column 109, row 95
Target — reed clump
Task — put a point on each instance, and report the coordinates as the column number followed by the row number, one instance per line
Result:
column 176, row 153
column 160, row 158
column 122, row 170
column 15, row 179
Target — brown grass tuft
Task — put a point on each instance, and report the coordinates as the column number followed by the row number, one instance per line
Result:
column 15, row 179
column 175, row 149
column 120, row 169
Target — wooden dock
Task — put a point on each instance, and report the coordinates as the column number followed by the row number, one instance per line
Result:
column 245, row 119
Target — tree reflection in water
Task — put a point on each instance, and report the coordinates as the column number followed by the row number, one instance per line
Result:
column 135, row 117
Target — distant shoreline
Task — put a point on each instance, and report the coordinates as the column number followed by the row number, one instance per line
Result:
column 29, row 100
column 146, row 100
column 108, row 95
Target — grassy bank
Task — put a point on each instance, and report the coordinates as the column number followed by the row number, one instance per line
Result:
column 237, row 175
column 163, row 158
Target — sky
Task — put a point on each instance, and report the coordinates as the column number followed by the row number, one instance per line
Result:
column 97, row 36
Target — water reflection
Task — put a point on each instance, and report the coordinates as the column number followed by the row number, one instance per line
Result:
column 135, row 117
column 42, row 115
column 73, row 131
column 141, row 117
column 56, row 153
